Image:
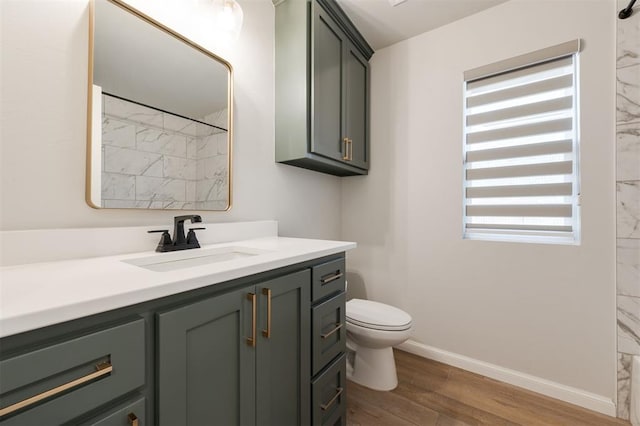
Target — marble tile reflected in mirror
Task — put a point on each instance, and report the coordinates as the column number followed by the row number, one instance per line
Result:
column 160, row 117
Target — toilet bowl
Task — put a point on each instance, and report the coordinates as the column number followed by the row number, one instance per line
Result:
column 372, row 330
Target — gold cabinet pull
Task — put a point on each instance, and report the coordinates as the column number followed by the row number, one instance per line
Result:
column 326, row 406
column 345, row 143
column 336, row 328
column 251, row 341
column 267, row 292
column 133, row 419
column 331, row 278
column 350, row 145
column 102, row 369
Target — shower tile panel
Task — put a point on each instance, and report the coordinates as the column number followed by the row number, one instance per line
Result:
column 115, row 107
column 118, row 133
column 179, row 168
column 628, row 94
column 628, row 36
column 160, row 189
column 629, row 325
column 628, row 267
column 628, row 209
column 161, row 142
column 116, row 186
column 180, row 125
column 132, row 162
column 152, row 159
column 628, row 151
column 624, row 385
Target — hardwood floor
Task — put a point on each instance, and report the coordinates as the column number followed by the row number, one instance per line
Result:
column 432, row 393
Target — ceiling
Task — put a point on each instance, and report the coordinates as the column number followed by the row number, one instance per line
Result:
column 383, row 25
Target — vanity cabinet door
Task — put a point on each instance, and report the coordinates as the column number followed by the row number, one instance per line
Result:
column 283, row 351
column 206, row 370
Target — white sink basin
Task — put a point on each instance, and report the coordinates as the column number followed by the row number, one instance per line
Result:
column 163, row 262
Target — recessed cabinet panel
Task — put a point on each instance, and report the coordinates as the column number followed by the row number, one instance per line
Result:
column 327, row 87
column 357, row 108
column 328, row 279
column 329, row 332
column 206, row 371
column 329, row 402
column 283, row 350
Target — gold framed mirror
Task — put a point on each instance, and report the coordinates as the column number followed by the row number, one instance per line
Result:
column 160, row 116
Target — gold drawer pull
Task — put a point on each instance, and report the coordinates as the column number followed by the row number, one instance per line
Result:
column 133, row 419
column 101, row 370
column 251, row 341
column 336, row 328
column 267, row 333
column 331, row 278
column 326, row 406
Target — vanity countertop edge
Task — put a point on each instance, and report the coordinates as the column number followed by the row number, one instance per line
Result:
column 37, row 295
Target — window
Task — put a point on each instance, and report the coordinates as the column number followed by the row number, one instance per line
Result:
column 521, row 148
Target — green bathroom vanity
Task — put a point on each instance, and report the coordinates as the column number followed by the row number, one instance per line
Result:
column 265, row 348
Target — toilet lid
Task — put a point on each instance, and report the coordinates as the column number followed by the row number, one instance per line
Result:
column 370, row 314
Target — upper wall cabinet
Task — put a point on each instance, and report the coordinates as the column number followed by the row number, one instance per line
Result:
column 322, row 89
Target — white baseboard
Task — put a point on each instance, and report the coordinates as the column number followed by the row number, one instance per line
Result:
column 555, row 390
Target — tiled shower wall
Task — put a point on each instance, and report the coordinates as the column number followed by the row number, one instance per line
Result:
column 156, row 160
column 628, row 201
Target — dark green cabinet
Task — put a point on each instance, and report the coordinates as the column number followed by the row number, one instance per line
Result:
column 341, row 95
column 356, row 90
column 205, row 369
column 328, row 344
column 322, row 89
column 283, row 351
column 241, row 358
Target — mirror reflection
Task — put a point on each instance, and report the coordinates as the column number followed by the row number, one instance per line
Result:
column 159, row 117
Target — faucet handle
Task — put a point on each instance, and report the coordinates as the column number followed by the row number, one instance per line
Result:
column 191, row 237
column 165, row 239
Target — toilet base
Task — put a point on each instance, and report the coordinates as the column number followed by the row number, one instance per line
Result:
column 373, row 368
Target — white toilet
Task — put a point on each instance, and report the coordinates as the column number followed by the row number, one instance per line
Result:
column 372, row 330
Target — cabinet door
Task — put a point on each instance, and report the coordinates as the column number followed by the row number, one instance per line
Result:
column 356, row 105
column 206, row 370
column 283, row 351
column 327, row 114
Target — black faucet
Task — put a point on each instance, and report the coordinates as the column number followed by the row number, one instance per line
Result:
column 179, row 242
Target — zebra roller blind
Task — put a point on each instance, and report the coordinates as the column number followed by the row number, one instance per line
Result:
column 521, row 148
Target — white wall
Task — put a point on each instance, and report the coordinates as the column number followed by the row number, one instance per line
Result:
column 543, row 310
column 43, row 111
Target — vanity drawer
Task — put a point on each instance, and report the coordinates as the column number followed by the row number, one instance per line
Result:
column 57, row 383
column 329, row 334
column 327, row 279
column 131, row 414
column 328, row 395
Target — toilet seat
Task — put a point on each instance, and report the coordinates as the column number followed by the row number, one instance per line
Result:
column 377, row 316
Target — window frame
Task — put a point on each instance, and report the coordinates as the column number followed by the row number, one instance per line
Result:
column 551, row 54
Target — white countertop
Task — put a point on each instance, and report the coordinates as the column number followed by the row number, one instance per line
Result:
column 41, row 294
